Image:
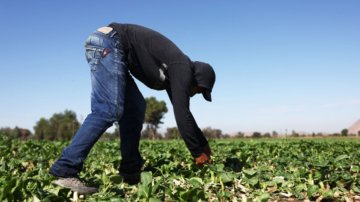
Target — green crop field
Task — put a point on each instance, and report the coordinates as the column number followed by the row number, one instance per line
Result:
column 241, row 170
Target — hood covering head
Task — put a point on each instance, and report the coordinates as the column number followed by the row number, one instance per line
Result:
column 205, row 77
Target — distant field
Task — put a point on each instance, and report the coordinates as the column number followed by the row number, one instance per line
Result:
column 316, row 139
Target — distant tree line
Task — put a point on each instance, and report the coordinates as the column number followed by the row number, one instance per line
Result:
column 17, row 133
column 59, row 127
column 62, row 126
column 274, row 134
column 345, row 133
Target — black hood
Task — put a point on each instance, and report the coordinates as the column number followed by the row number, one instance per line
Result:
column 205, row 77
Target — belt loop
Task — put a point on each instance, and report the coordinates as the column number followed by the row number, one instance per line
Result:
column 113, row 34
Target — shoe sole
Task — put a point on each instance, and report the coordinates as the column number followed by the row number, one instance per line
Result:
column 81, row 190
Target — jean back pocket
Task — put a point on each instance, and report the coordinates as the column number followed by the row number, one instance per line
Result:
column 93, row 55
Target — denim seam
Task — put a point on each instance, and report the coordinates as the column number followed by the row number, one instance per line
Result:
column 117, row 79
column 108, row 39
column 116, row 104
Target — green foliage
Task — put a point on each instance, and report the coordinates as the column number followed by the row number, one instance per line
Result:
column 20, row 133
column 172, row 133
column 226, row 136
column 267, row 135
column 239, row 135
column 256, row 135
column 147, row 134
column 212, row 133
column 294, row 134
column 344, row 132
column 155, row 111
column 6, row 131
column 112, row 136
column 42, row 129
column 256, row 169
column 58, row 127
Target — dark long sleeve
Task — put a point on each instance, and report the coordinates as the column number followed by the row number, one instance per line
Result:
column 199, row 134
column 180, row 76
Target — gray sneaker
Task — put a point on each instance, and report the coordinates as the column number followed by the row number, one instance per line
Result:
column 75, row 185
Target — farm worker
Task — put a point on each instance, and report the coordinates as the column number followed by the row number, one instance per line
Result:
column 113, row 53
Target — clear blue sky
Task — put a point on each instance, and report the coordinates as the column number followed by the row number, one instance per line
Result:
column 279, row 64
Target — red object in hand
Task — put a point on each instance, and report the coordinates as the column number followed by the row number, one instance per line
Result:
column 206, row 149
column 202, row 160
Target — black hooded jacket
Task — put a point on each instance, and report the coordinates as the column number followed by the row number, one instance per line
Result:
column 160, row 64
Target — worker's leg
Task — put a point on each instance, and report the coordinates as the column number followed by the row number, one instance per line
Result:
column 108, row 72
column 130, row 128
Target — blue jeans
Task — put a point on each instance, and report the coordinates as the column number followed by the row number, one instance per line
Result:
column 114, row 97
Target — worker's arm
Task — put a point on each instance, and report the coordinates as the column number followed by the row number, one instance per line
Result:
column 199, row 134
column 180, row 76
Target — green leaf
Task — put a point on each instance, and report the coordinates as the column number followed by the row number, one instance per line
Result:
column 301, row 196
column 329, row 193
column 104, row 178
column 346, row 176
column 31, row 186
column 225, row 176
column 300, row 188
column 312, row 190
column 144, row 191
column 355, row 188
column 146, row 178
column 355, row 169
column 98, row 171
column 183, row 194
column 156, row 185
column 196, row 181
column 155, row 200
column 249, row 172
column 333, row 177
column 204, row 170
column 195, row 196
column 116, row 179
column 322, row 163
column 200, row 194
column 264, row 197
column 341, row 157
column 225, row 194
column 270, row 183
column 207, row 184
column 252, row 181
column 213, row 168
column 302, row 172
column 317, row 175
column 285, row 184
column 296, row 194
column 7, row 188
column 54, row 190
column 220, row 167
column 279, row 180
column 116, row 199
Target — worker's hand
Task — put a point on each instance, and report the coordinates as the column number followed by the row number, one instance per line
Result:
column 206, row 149
column 202, row 159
